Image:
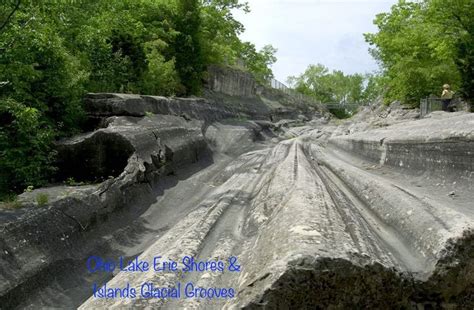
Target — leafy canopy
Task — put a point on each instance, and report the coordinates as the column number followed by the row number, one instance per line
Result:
column 422, row 45
column 335, row 87
column 52, row 52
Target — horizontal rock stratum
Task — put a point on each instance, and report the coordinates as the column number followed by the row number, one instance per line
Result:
column 366, row 214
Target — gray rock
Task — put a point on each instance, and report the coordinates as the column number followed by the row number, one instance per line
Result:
column 141, row 149
column 106, row 105
column 441, row 146
column 322, row 216
column 231, row 82
column 312, row 233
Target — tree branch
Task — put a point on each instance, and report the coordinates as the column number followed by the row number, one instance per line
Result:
column 10, row 16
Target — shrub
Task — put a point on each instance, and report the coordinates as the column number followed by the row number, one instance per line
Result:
column 42, row 199
column 40, row 71
column 161, row 76
column 10, row 202
column 26, row 154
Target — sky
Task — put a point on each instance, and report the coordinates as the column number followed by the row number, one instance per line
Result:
column 307, row 32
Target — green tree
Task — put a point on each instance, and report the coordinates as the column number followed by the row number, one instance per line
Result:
column 455, row 19
column 40, row 70
column 312, row 83
column 374, row 88
column 329, row 87
column 161, row 77
column 259, row 62
column 220, row 42
column 189, row 62
column 26, row 153
column 417, row 56
column 7, row 11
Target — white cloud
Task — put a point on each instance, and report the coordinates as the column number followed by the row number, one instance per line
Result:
column 318, row 31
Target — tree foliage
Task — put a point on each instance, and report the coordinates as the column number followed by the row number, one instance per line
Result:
column 220, row 31
column 221, row 44
column 335, row 87
column 423, row 45
column 188, row 46
column 52, row 52
column 25, row 147
column 455, row 21
column 259, row 62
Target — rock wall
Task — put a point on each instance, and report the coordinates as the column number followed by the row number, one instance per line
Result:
column 231, row 82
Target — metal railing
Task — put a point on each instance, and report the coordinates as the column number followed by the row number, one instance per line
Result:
column 342, row 105
column 432, row 104
column 275, row 84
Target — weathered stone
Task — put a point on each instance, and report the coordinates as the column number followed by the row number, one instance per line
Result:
column 215, row 107
column 218, row 106
column 313, row 228
column 93, row 157
column 322, row 216
column 140, row 149
column 231, row 82
column 441, row 145
column 236, row 137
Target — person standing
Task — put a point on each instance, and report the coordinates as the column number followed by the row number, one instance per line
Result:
column 447, row 97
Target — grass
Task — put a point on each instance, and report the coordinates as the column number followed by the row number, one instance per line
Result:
column 42, row 199
column 72, row 182
column 10, row 202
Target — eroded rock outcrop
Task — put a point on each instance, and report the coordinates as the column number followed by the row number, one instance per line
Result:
column 37, row 237
column 232, row 82
column 314, row 226
column 441, row 145
column 105, row 105
column 320, row 215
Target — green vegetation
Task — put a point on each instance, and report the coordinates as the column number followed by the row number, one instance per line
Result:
column 419, row 46
column 10, row 202
column 336, row 87
column 423, row 45
column 341, row 113
column 53, row 52
column 26, row 153
column 42, row 199
column 72, row 182
column 259, row 62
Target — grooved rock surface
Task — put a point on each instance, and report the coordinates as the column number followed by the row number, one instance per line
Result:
column 315, row 226
column 442, row 145
column 153, row 146
column 319, row 215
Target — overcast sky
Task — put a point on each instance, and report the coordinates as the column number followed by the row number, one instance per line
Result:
column 314, row 31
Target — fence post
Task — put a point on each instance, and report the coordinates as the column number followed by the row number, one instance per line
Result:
column 423, row 107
